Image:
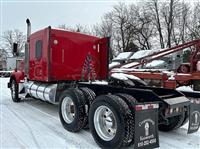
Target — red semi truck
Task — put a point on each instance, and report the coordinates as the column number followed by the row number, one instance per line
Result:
column 71, row 69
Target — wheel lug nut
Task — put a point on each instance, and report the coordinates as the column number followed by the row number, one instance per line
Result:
column 108, row 130
column 104, row 116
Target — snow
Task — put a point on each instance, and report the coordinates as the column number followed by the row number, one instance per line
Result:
column 132, row 64
column 119, row 76
column 137, row 70
column 96, row 82
column 185, row 88
column 132, row 77
column 122, row 76
column 155, row 63
column 114, row 64
column 143, row 53
column 122, row 56
column 140, row 54
column 35, row 124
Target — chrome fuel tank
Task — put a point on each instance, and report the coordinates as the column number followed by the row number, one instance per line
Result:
column 43, row 91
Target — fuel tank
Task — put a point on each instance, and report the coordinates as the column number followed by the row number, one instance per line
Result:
column 43, row 91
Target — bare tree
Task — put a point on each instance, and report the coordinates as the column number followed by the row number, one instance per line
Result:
column 179, row 30
column 168, row 13
column 194, row 22
column 77, row 28
column 13, row 36
column 3, row 52
column 142, row 26
column 154, row 10
column 119, row 16
column 105, row 29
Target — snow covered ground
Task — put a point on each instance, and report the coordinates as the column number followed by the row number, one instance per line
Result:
column 35, row 124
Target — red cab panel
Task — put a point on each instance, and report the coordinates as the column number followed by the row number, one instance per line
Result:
column 62, row 55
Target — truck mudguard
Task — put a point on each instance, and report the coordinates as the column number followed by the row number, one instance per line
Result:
column 146, row 126
column 194, row 116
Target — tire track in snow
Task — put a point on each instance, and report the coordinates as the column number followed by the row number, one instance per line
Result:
column 61, row 134
column 175, row 139
column 64, row 135
column 26, row 124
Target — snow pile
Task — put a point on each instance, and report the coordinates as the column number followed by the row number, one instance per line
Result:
column 122, row 76
column 185, row 88
column 140, row 54
column 114, row 64
column 138, row 70
column 132, row 77
column 155, row 63
column 123, row 55
column 119, row 76
column 143, row 53
column 130, row 65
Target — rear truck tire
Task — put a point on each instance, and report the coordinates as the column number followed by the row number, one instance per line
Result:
column 174, row 123
column 89, row 95
column 89, row 98
column 14, row 88
column 111, row 122
column 186, row 118
column 130, row 101
column 72, row 110
column 196, row 84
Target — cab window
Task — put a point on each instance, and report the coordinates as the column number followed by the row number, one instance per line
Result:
column 38, row 49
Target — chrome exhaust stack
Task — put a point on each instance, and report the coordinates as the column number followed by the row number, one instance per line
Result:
column 27, row 47
column 28, row 28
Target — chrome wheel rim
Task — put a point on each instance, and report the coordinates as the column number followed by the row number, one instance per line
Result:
column 105, row 123
column 68, row 110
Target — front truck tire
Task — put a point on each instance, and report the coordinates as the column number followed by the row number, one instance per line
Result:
column 14, row 88
column 72, row 110
column 111, row 122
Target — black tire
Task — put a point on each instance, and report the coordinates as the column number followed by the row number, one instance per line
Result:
column 14, row 91
column 89, row 98
column 80, row 117
column 196, row 84
column 89, row 95
column 130, row 101
column 174, row 123
column 124, row 121
column 186, row 118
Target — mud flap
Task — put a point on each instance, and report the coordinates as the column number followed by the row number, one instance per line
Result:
column 146, row 126
column 194, row 116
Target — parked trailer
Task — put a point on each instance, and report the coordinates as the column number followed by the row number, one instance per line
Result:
column 63, row 67
column 186, row 74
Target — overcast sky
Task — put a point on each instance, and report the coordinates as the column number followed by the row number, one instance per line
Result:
column 54, row 13
column 43, row 13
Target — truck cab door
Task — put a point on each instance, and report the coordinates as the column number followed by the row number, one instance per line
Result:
column 38, row 59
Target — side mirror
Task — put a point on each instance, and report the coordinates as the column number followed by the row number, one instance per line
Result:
column 15, row 49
